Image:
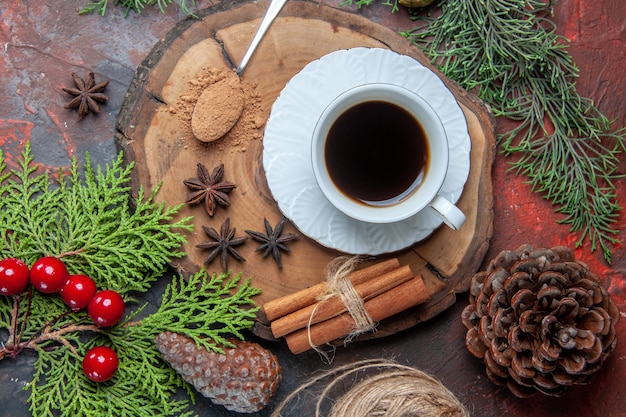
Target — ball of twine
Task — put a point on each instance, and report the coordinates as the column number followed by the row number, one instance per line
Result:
column 401, row 393
column 395, row 391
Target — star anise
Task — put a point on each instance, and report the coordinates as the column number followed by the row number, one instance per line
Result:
column 273, row 241
column 224, row 244
column 87, row 95
column 209, row 188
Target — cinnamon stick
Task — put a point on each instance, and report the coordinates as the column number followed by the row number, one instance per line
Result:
column 394, row 301
column 331, row 307
column 292, row 302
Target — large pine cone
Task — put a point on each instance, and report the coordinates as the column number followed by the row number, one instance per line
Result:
column 242, row 380
column 540, row 320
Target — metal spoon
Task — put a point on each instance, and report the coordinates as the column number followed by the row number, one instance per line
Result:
column 271, row 13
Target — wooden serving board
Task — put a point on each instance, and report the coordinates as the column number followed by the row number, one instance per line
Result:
column 304, row 31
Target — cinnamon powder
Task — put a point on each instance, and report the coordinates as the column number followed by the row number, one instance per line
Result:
column 229, row 98
column 217, row 110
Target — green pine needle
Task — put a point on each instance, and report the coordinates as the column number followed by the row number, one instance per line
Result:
column 208, row 309
column 86, row 219
column 185, row 309
column 363, row 3
column 507, row 52
column 100, row 6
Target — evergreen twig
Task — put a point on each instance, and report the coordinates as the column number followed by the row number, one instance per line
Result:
column 208, row 309
column 100, row 6
column 86, row 218
column 508, row 53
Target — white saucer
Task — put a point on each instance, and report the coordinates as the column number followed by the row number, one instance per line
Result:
column 287, row 143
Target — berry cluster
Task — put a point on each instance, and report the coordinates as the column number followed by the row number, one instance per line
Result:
column 49, row 275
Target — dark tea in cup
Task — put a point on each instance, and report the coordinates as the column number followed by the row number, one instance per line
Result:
column 379, row 154
column 376, row 152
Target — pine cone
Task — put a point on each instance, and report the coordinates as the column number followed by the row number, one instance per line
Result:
column 242, row 380
column 540, row 320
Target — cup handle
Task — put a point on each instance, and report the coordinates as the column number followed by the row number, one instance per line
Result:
column 448, row 212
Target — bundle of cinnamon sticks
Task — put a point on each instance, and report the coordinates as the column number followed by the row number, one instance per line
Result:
column 307, row 321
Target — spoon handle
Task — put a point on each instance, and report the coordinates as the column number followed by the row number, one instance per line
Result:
column 272, row 11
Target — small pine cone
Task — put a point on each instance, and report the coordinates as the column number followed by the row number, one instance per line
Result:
column 242, row 380
column 540, row 320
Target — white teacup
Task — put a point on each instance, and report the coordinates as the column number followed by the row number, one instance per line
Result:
column 380, row 155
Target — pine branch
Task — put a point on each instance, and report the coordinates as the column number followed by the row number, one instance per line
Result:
column 17, row 194
column 60, row 389
column 207, row 309
column 87, row 219
column 361, row 3
column 100, row 6
column 509, row 54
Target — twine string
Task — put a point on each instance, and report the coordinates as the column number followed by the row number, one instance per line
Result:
column 339, row 285
column 394, row 391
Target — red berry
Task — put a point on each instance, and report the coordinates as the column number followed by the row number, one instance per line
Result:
column 48, row 274
column 100, row 363
column 106, row 308
column 13, row 276
column 78, row 291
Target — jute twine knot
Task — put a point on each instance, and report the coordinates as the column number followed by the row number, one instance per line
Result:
column 339, row 285
column 395, row 391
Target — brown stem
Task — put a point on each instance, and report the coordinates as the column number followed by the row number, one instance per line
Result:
column 28, row 307
column 132, row 324
column 57, row 336
column 70, row 253
column 15, row 345
column 40, row 331
column 14, row 314
column 3, row 351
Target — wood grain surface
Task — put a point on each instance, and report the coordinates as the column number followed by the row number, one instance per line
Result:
column 164, row 155
column 43, row 42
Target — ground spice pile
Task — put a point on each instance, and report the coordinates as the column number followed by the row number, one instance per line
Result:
column 223, row 110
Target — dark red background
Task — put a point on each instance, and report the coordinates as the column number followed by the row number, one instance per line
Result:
column 43, row 42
